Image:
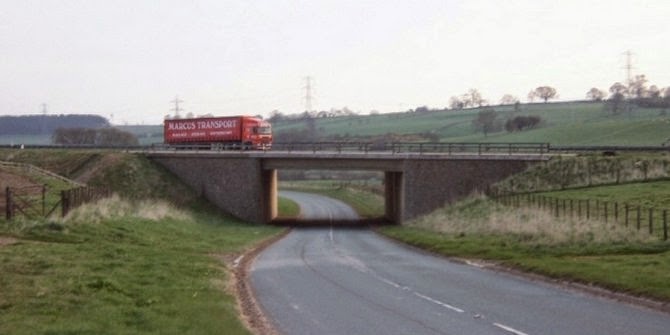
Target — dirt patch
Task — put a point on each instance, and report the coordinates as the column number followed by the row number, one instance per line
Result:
column 7, row 241
column 251, row 313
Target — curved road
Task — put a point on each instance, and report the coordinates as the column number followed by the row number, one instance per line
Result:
column 351, row 281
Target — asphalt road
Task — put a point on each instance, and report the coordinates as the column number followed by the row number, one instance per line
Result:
column 351, row 281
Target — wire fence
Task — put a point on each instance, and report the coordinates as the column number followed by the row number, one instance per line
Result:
column 654, row 220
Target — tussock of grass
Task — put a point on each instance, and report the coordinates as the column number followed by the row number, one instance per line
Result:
column 116, row 207
column 480, row 216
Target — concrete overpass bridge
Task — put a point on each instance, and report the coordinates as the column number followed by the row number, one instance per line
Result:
column 416, row 183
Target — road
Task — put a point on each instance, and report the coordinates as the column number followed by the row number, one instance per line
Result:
column 316, row 207
column 351, row 281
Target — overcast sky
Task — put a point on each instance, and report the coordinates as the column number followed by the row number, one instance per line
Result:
column 131, row 58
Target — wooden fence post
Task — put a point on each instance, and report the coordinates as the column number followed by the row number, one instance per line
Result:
column 65, row 203
column 665, row 225
column 651, row 221
column 8, row 209
column 638, row 217
column 626, row 211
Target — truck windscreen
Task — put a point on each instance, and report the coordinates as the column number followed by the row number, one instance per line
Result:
column 263, row 130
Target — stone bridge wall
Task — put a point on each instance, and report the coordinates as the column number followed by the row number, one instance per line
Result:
column 245, row 185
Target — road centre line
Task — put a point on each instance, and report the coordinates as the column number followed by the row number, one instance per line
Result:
column 509, row 329
column 455, row 309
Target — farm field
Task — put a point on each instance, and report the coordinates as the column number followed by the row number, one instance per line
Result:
column 564, row 123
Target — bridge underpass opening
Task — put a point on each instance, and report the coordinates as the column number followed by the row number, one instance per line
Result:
column 375, row 195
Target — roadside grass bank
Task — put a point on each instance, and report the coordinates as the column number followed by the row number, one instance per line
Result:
column 123, row 267
column 156, row 260
column 287, row 208
column 366, row 203
column 591, row 252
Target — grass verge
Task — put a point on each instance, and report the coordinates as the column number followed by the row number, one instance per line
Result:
column 122, row 267
column 288, row 208
column 589, row 252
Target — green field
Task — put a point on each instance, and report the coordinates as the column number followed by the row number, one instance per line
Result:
column 564, row 123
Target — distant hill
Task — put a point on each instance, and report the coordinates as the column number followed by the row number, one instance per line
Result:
column 563, row 123
column 47, row 124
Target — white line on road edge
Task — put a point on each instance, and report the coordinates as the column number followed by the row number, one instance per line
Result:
column 456, row 309
column 509, row 329
column 331, row 234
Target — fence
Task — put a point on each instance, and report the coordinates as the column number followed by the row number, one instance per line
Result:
column 34, row 201
column 655, row 220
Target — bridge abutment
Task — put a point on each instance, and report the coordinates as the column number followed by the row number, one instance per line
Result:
column 245, row 184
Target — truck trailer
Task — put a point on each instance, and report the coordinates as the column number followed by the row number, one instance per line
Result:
column 218, row 133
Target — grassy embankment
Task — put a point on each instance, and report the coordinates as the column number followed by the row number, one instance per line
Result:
column 155, row 263
column 589, row 251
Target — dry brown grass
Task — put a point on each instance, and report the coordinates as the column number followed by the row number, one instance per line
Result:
column 478, row 215
column 115, row 206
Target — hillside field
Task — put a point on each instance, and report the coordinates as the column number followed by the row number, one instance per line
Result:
column 563, row 123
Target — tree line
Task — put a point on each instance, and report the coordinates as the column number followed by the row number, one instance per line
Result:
column 47, row 124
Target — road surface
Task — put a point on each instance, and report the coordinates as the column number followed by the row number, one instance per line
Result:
column 351, row 281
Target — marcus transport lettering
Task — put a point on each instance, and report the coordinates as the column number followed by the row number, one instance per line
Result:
column 202, row 125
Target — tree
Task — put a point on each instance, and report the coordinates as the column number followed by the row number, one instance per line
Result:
column 508, row 99
column 617, row 98
column 618, row 89
column 595, row 94
column 456, row 103
column 475, row 97
column 638, row 87
column 521, row 123
column 531, row 96
column 486, row 122
column 545, row 93
column 276, row 116
column 88, row 136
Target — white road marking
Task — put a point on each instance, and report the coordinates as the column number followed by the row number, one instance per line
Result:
column 455, row 309
column 331, row 234
column 509, row 329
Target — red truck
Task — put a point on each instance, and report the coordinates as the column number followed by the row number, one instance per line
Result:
column 244, row 132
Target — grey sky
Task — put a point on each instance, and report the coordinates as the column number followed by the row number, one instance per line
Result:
column 130, row 58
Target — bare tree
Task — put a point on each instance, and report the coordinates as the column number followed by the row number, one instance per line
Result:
column 531, row 96
column 487, row 122
column 595, row 94
column 456, row 103
column 508, row 99
column 638, row 87
column 618, row 89
column 476, row 97
column 545, row 93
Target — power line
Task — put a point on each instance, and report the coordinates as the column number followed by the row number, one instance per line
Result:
column 629, row 67
column 176, row 108
column 308, row 94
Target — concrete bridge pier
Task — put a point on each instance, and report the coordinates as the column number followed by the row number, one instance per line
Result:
column 393, row 196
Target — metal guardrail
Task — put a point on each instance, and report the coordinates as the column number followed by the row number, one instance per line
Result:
column 416, row 148
column 389, row 147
